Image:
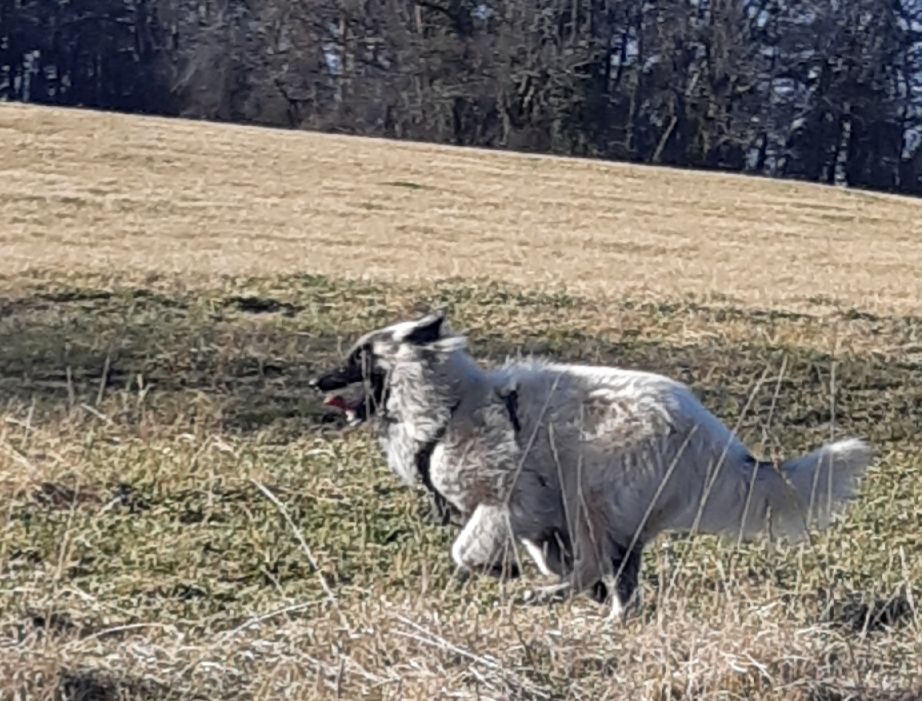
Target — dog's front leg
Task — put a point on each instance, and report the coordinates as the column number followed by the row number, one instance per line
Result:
column 443, row 512
column 484, row 543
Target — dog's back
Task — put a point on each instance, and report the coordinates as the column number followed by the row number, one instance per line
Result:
column 635, row 453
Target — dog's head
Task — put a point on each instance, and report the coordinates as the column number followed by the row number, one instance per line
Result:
column 372, row 359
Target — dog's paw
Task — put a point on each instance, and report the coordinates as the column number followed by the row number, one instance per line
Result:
column 503, row 570
column 622, row 612
column 461, row 575
column 545, row 596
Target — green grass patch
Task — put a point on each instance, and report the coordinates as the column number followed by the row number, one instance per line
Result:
column 139, row 422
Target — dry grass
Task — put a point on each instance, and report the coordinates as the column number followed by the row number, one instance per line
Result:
column 84, row 190
column 155, row 416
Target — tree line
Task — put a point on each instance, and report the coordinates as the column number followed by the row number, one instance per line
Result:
column 821, row 90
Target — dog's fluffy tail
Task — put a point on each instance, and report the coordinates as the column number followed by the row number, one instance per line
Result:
column 753, row 499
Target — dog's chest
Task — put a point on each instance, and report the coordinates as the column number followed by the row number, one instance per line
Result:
column 473, row 471
column 471, row 460
column 401, row 450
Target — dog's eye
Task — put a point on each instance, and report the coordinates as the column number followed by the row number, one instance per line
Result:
column 357, row 357
column 363, row 359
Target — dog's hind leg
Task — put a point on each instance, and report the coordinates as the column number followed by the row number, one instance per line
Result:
column 622, row 584
column 537, row 554
column 581, row 574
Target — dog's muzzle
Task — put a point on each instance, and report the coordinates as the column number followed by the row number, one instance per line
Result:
column 356, row 410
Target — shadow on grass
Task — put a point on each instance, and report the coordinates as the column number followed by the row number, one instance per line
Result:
column 824, row 692
column 861, row 613
column 100, row 685
column 247, row 355
column 251, row 355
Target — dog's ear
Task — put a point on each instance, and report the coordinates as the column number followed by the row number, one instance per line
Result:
column 427, row 330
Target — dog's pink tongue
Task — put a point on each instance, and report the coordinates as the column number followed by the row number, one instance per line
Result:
column 336, row 401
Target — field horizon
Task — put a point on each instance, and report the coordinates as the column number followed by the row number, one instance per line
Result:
column 183, row 519
column 106, row 191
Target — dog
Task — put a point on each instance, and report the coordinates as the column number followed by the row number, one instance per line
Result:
column 580, row 465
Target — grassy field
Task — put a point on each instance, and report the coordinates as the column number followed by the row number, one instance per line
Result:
column 181, row 519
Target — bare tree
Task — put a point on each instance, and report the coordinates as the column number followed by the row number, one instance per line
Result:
column 814, row 89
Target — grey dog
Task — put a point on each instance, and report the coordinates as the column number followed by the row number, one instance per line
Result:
column 580, row 465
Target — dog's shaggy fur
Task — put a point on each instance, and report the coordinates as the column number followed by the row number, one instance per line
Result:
column 580, row 465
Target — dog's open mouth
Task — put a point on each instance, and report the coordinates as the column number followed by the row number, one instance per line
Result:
column 354, row 396
column 363, row 387
column 355, row 410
